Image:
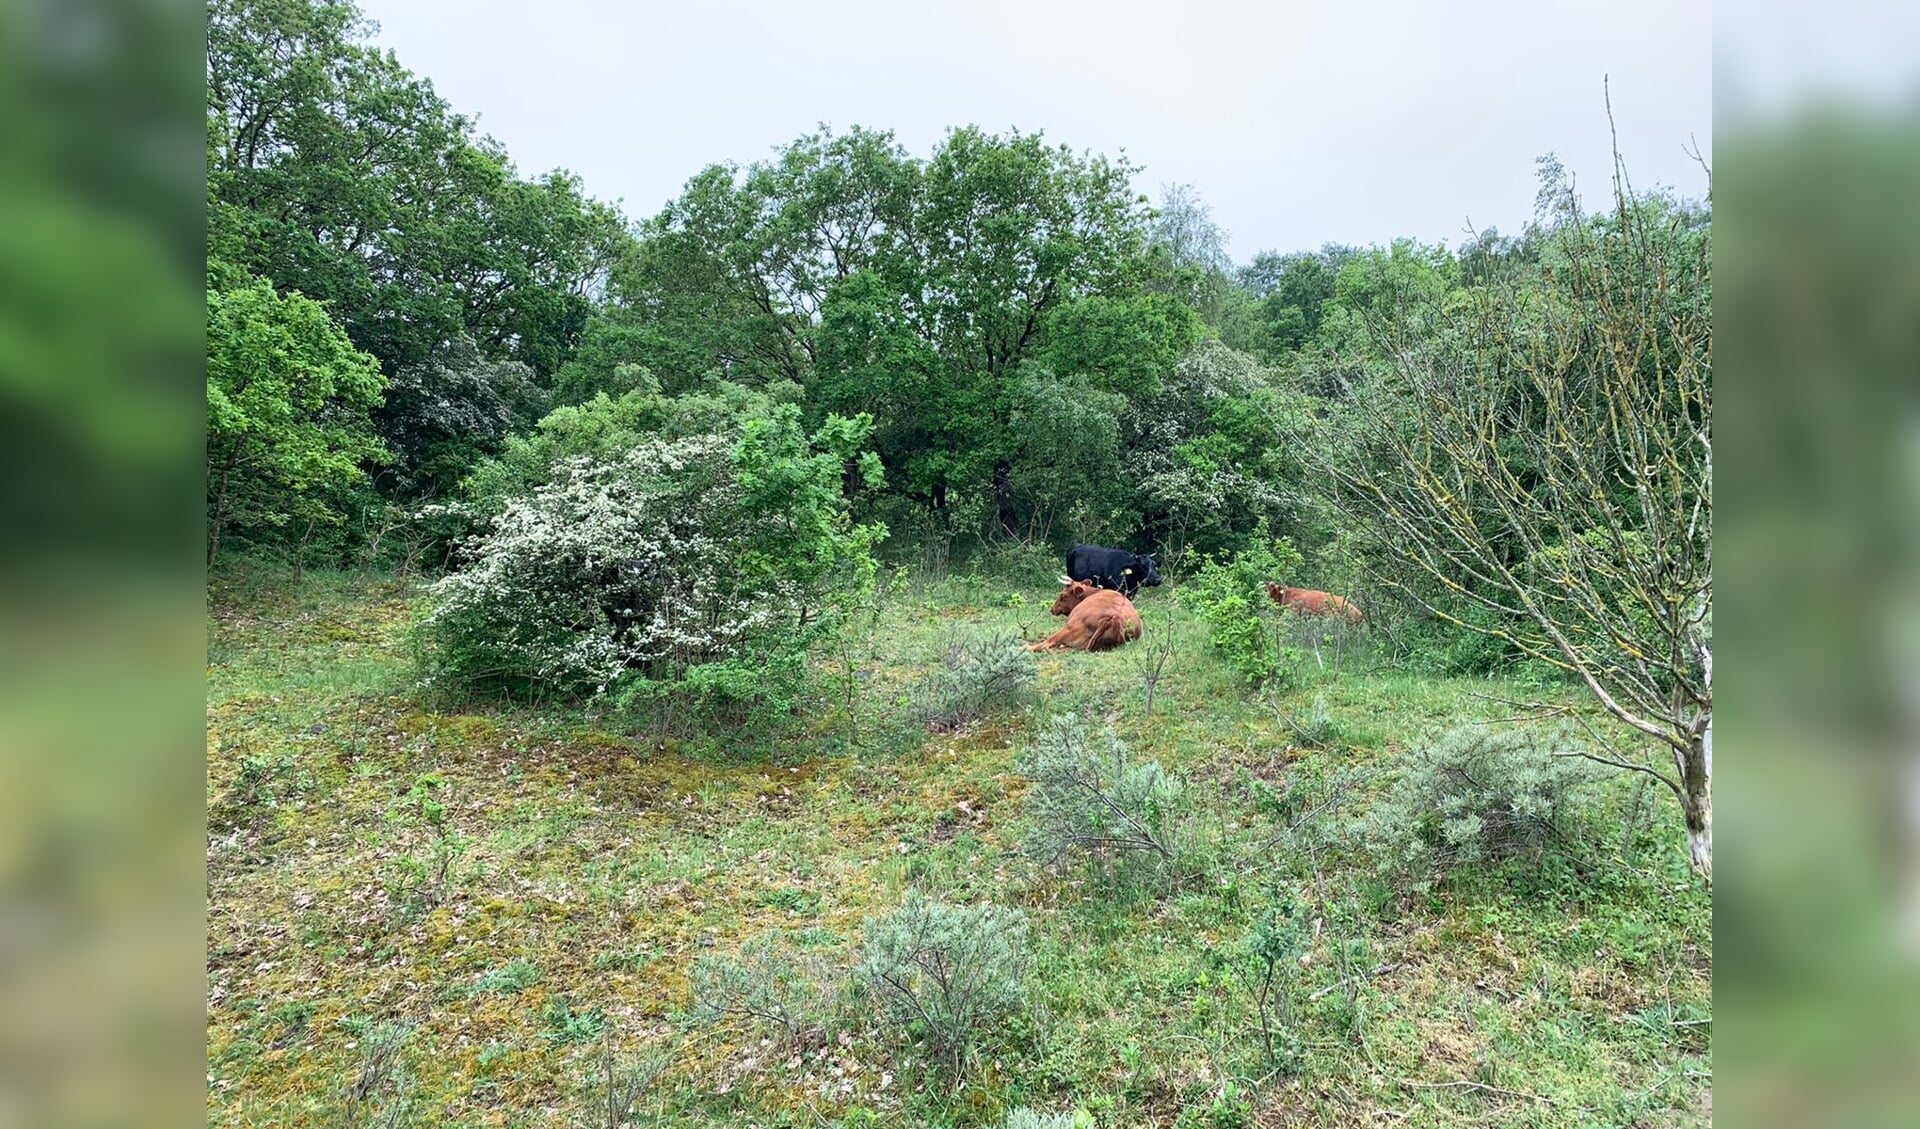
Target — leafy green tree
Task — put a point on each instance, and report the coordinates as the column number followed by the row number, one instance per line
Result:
column 335, row 172
column 1188, row 254
column 1214, row 453
column 288, row 398
column 445, row 412
column 1008, row 230
column 732, row 278
column 333, row 168
column 1067, row 456
column 916, row 290
column 1541, row 452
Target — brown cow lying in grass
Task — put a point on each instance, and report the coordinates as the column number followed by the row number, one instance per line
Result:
column 1097, row 620
column 1308, row 601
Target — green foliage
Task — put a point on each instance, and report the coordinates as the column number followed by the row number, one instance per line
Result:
column 1067, row 470
column 700, row 566
column 1097, row 802
column 794, row 487
column 335, row 172
column 1316, row 727
column 765, row 982
column 947, row 974
column 1473, row 795
column 380, row 1089
column 976, row 678
column 921, row 291
column 451, row 407
column 1229, row 1108
column 418, row 883
column 1274, row 947
column 746, row 695
column 1121, row 344
column 288, row 398
column 1213, row 453
column 565, row 1025
column 1245, row 626
column 509, row 979
column 1024, row 1118
column 1539, row 448
column 606, row 427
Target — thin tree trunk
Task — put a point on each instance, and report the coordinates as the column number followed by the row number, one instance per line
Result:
column 1003, row 496
column 300, row 554
column 219, row 514
column 1698, row 802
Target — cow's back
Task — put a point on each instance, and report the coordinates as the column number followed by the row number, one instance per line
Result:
column 1109, row 618
column 1089, row 562
column 1311, row 601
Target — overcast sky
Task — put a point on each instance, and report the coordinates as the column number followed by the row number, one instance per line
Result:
column 1299, row 123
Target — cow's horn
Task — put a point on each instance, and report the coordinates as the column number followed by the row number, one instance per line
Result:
column 1066, row 580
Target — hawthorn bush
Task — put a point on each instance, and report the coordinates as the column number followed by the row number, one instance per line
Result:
column 708, row 563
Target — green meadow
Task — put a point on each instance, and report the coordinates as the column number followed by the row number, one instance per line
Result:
column 439, row 913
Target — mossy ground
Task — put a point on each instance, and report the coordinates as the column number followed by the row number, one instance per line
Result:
column 526, row 890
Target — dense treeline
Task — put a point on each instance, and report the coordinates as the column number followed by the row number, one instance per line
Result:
column 1034, row 353
column 336, row 175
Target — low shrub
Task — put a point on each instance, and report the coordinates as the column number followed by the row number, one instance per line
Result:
column 1273, row 948
column 563, row 1025
column 1475, row 795
column 1245, row 627
column 977, row 677
column 1087, row 796
column 381, row 1088
column 946, row 973
column 1315, row 728
column 765, row 982
column 618, row 1083
column 509, row 979
column 1150, row 654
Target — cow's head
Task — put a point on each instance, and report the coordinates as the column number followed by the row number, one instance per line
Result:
column 1277, row 593
column 1071, row 595
column 1146, row 571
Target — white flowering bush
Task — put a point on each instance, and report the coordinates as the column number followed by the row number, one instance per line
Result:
column 1213, row 451
column 709, row 561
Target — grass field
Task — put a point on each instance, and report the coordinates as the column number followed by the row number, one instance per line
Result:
column 435, row 917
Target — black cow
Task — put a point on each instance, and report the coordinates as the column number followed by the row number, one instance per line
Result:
column 1117, row 569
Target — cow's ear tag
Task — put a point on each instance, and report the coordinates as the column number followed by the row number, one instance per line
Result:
column 1126, row 572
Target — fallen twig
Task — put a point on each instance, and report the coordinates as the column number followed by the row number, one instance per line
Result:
column 1465, row 1085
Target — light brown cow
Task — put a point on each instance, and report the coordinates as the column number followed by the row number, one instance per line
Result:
column 1309, row 601
column 1097, row 620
